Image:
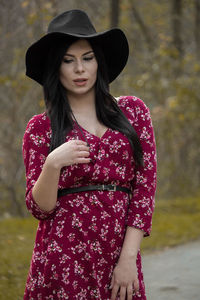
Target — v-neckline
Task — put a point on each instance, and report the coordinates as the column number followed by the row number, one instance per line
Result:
column 96, row 136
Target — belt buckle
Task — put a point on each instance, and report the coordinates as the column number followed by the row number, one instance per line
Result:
column 111, row 188
column 114, row 188
column 105, row 187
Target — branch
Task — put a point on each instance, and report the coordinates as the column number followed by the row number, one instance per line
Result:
column 143, row 27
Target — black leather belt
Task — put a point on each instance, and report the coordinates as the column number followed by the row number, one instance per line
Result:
column 102, row 187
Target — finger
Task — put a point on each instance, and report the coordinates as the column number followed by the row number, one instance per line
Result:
column 114, row 292
column 130, row 291
column 82, row 160
column 82, row 148
column 136, row 285
column 122, row 292
column 80, row 142
column 83, row 154
column 112, row 282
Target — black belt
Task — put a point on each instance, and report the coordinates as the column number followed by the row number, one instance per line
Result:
column 102, row 187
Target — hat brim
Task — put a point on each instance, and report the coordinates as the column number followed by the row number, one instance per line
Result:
column 113, row 43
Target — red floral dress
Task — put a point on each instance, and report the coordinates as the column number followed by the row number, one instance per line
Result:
column 78, row 243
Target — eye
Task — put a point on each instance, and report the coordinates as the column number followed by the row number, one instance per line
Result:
column 87, row 58
column 67, row 61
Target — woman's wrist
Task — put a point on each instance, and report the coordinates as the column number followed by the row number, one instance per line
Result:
column 131, row 244
column 128, row 256
column 52, row 162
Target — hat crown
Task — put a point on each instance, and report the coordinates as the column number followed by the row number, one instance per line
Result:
column 72, row 22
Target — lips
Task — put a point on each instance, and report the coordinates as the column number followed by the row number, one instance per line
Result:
column 80, row 81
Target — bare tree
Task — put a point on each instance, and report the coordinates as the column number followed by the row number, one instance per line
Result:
column 176, row 25
column 197, row 27
column 151, row 73
column 19, row 96
column 114, row 13
column 144, row 29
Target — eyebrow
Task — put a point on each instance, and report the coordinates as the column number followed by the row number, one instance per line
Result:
column 82, row 55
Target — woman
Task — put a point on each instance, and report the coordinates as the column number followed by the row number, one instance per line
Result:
column 84, row 157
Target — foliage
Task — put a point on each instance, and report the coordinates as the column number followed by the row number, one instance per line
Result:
column 175, row 222
column 16, row 245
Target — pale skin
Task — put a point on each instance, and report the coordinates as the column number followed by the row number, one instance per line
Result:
column 80, row 62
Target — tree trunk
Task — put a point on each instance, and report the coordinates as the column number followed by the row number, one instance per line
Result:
column 176, row 26
column 17, row 210
column 197, row 27
column 143, row 27
column 114, row 13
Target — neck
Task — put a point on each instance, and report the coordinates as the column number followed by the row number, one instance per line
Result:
column 82, row 103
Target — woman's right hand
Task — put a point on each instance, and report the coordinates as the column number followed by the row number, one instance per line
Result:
column 69, row 153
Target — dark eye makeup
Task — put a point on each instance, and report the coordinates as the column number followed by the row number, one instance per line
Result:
column 67, row 61
column 86, row 58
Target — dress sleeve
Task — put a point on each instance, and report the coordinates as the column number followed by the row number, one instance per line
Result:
column 35, row 148
column 144, row 183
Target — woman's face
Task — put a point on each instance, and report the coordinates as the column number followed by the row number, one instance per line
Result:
column 78, row 70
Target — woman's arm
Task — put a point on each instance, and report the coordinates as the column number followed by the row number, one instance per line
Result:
column 43, row 169
column 141, row 205
column 131, row 243
column 125, row 273
column 46, row 187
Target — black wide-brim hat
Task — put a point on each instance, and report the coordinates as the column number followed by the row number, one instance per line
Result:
column 76, row 23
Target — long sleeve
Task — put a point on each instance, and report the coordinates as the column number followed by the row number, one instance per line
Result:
column 35, row 149
column 142, row 204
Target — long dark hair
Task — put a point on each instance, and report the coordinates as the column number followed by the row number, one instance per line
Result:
column 107, row 109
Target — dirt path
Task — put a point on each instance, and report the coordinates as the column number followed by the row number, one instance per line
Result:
column 173, row 274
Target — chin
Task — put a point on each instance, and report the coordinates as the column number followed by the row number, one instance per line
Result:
column 81, row 91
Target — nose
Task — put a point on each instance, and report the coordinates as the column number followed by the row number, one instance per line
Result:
column 79, row 67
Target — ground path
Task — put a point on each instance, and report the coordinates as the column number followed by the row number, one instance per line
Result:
column 173, row 274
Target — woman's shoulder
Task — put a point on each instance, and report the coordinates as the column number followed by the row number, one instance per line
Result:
column 38, row 122
column 128, row 102
column 133, row 107
column 37, row 132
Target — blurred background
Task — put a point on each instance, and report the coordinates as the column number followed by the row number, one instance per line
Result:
column 163, row 70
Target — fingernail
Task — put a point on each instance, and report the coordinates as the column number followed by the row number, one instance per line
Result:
column 137, row 293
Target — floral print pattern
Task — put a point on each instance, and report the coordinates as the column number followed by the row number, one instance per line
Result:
column 78, row 243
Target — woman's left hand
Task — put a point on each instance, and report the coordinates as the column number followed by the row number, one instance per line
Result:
column 125, row 279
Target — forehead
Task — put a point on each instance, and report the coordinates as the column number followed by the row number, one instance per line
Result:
column 81, row 45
